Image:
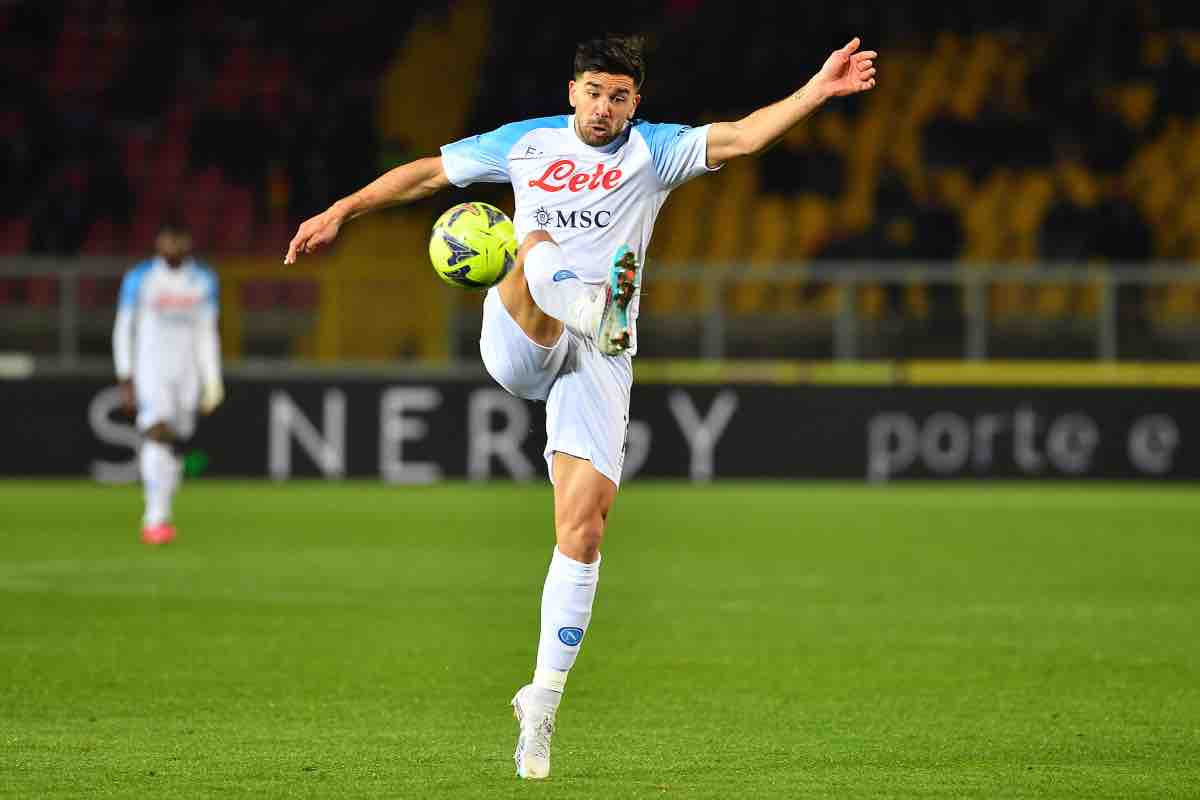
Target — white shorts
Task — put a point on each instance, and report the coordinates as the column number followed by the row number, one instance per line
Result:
column 586, row 392
column 171, row 401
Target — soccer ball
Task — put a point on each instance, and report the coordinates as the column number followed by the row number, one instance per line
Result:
column 473, row 246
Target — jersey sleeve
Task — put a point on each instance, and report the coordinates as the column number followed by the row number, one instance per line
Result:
column 131, row 285
column 208, row 350
column 122, row 343
column 127, row 308
column 484, row 158
column 208, row 341
column 478, row 159
column 212, row 292
column 679, row 152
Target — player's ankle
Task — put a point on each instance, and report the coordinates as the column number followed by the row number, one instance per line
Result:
column 586, row 313
column 550, row 680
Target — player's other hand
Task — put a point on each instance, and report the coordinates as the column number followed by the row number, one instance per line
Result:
column 314, row 233
column 211, row 397
column 848, row 71
column 128, row 397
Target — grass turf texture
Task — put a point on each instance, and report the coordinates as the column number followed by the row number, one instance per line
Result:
column 749, row 640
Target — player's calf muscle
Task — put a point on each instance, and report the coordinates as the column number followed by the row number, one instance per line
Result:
column 537, row 324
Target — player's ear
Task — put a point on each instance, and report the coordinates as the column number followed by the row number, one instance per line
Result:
column 571, row 93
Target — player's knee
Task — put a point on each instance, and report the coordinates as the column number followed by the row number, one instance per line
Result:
column 581, row 540
column 580, row 530
column 161, row 433
column 535, row 236
column 532, row 240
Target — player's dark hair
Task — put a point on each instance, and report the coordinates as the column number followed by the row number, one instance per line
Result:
column 174, row 223
column 616, row 55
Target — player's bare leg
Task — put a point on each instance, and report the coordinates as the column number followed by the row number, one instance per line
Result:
column 160, row 470
column 543, row 293
column 582, row 499
column 514, row 293
column 162, row 433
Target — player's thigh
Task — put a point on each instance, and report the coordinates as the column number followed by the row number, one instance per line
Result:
column 155, row 401
column 522, row 366
column 187, row 399
column 170, row 401
column 587, row 410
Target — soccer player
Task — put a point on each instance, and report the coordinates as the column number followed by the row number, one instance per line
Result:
column 560, row 328
column 168, row 362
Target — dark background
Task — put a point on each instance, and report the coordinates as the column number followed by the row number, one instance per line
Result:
column 116, row 112
column 774, row 431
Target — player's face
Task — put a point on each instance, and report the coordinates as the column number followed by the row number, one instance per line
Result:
column 603, row 105
column 173, row 247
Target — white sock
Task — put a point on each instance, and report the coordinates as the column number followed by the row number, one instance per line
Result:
column 568, row 299
column 566, row 609
column 160, row 477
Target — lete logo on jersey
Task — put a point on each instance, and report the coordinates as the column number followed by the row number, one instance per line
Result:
column 171, row 301
column 563, row 174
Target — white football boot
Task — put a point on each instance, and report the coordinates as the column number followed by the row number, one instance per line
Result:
column 537, row 726
column 615, row 333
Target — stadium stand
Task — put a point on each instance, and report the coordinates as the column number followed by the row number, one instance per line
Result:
column 991, row 140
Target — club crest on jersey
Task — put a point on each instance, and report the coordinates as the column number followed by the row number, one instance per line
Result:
column 563, row 174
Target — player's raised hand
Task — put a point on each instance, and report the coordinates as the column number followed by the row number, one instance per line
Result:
column 314, row 232
column 848, row 71
column 211, row 396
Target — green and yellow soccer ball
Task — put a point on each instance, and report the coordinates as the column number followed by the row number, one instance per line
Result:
column 473, row 246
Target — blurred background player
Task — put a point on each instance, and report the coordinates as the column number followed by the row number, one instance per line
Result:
column 168, row 361
column 546, row 329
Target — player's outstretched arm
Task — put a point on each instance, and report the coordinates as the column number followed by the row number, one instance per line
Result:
column 404, row 184
column 208, row 358
column 846, row 71
column 122, row 340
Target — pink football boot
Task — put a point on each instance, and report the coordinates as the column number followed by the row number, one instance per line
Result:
column 158, row 534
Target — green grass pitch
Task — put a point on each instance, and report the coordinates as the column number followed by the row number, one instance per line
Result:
column 749, row 640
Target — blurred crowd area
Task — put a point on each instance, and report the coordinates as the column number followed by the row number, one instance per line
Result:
column 1070, row 132
column 999, row 133
column 243, row 117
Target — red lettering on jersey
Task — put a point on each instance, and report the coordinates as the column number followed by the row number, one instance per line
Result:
column 167, row 301
column 595, row 183
column 558, row 171
column 561, row 175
